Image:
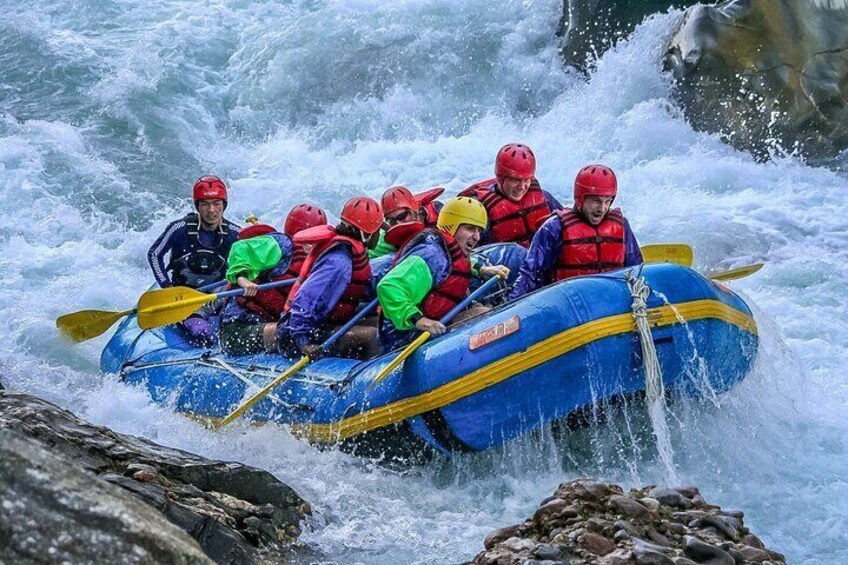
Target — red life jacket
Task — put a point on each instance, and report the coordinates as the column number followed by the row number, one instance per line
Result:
column 511, row 221
column 325, row 238
column 440, row 300
column 588, row 249
column 271, row 303
column 432, row 215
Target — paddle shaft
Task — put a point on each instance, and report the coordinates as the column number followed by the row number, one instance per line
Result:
column 412, row 347
column 295, row 368
column 201, row 300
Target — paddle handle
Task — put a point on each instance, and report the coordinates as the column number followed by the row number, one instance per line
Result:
column 265, row 286
column 468, row 299
column 352, row 322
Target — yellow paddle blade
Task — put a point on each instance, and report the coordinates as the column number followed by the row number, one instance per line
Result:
column 410, row 349
column 86, row 324
column 158, row 308
column 262, row 393
column 678, row 253
column 737, row 273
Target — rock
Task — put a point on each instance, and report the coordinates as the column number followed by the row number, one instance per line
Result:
column 50, row 506
column 235, row 512
column 590, row 27
column 517, row 545
column 702, row 552
column 689, row 491
column 618, row 557
column 650, row 503
column 642, row 536
column 629, row 507
column 547, row 551
column 500, row 535
column 658, row 538
column 555, row 512
column 671, row 497
column 752, row 540
column 595, row 543
column 727, row 525
column 766, row 76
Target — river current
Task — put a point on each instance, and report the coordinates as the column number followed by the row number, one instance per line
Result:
column 110, row 109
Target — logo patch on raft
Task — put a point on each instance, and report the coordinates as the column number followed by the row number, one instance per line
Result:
column 494, row 333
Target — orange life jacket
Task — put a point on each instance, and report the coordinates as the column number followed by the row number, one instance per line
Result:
column 588, row 249
column 511, row 221
column 441, row 299
column 325, row 238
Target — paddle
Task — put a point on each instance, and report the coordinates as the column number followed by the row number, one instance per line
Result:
column 679, row 253
column 86, row 324
column 412, row 347
column 158, row 308
column 737, row 273
column 244, row 407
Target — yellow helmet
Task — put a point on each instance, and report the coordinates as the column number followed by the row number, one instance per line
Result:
column 462, row 210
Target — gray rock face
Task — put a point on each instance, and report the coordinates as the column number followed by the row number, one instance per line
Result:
column 590, row 27
column 53, row 511
column 235, row 513
column 767, row 76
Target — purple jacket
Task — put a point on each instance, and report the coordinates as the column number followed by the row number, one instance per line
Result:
column 317, row 296
column 538, row 266
column 552, row 202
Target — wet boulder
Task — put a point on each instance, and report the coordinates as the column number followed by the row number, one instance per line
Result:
column 86, row 475
column 768, row 77
column 589, row 27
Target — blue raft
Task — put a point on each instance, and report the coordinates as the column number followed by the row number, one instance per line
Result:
column 531, row 361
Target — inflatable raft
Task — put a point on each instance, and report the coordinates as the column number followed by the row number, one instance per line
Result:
column 529, row 362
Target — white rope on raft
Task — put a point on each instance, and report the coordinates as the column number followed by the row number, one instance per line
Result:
column 654, row 388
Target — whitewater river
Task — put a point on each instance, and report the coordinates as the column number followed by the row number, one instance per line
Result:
column 109, row 110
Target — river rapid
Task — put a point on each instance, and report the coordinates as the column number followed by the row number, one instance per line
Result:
column 109, row 110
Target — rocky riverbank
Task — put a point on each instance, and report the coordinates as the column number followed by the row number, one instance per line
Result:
column 74, row 492
column 596, row 523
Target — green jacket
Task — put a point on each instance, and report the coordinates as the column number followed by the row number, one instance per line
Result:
column 382, row 248
column 250, row 257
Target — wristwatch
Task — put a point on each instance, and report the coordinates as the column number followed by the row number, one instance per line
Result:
column 415, row 317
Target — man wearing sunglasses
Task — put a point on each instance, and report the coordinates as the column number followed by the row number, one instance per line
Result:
column 400, row 206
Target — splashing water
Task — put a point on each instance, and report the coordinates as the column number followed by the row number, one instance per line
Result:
column 109, row 111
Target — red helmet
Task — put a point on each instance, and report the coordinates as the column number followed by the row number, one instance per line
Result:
column 363, row 213
column 304, row 216
column 398, row 198
column 594, row 180
column 209, row 187
column 515, row 160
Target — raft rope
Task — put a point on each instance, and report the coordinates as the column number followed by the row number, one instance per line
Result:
column 654, row 388
column 640, row 291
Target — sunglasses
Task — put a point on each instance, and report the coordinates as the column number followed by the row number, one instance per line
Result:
column 399, row 218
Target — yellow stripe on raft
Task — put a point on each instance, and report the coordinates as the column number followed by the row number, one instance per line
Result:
column 516, row 363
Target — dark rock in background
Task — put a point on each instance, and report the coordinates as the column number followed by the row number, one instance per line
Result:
column 236, row 513
column 769, row 77
column 589, row 27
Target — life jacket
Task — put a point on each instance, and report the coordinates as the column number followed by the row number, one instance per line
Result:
column 325, row 238
column 511, row 221
column 199, row 264
column 271, row 303
column 588, row 249
column 431, row 213
column 428, row 203
column 441, row 299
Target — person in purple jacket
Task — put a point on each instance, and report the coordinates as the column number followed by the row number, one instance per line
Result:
column 587, row 239
column 335, row 276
